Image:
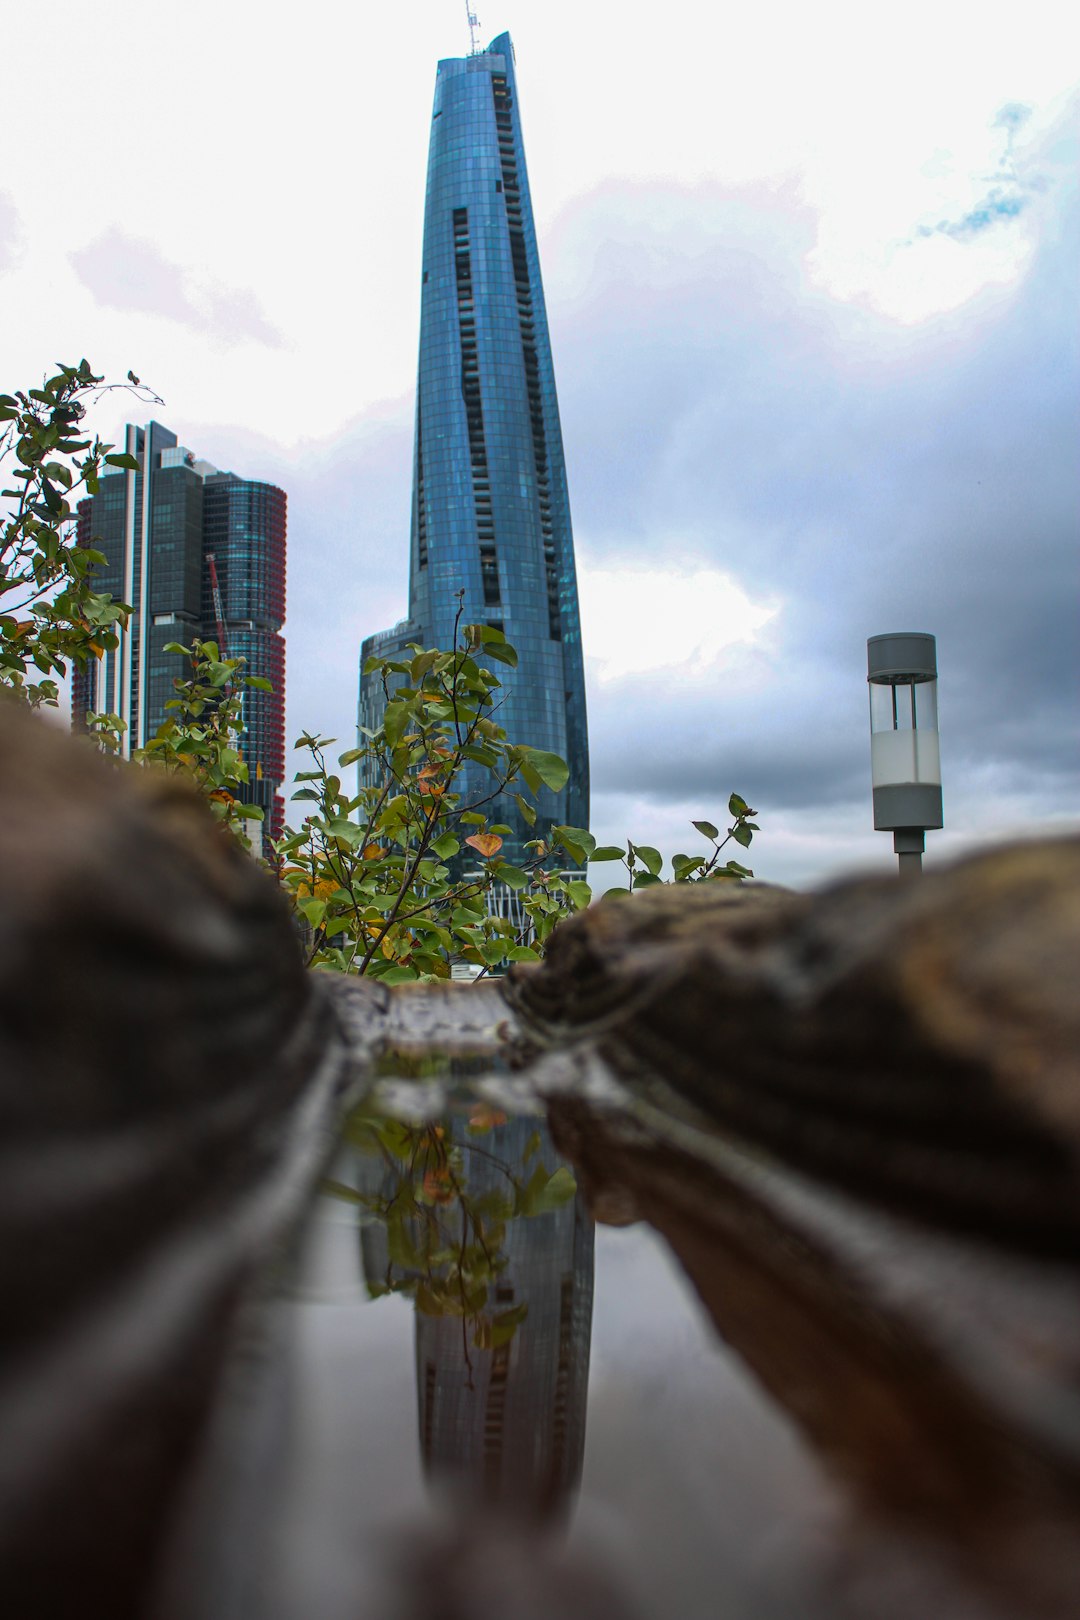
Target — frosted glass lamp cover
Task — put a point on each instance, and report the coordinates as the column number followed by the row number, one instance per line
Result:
column 905, row 754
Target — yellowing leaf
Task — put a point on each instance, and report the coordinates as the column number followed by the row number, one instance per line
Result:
column 486, row 844
column 484, row 1118
column 437, row 1186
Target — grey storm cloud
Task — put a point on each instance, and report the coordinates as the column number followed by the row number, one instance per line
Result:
column 873, row 476
column 127, row 273
column 869, row 476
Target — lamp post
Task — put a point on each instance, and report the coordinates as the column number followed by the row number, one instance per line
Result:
column 905, row 756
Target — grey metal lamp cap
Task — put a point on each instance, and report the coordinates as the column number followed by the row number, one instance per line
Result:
column 908, row 654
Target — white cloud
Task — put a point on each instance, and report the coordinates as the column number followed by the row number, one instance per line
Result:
column 132, row 275
column 9, row 232
column 730, row 216
column 641, row 620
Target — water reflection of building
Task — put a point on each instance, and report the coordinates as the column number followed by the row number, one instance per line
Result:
column 508, row 1424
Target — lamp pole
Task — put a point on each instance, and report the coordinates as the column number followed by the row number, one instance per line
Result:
column 905, row 752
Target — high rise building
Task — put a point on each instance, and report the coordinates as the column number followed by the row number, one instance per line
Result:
column 197, row 552
column 502, row 1422
column 490, row 508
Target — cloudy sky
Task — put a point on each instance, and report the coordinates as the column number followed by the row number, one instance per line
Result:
column 811, row 278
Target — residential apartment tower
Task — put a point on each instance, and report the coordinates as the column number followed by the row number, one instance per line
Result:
column 490, row 508
column 197, row 552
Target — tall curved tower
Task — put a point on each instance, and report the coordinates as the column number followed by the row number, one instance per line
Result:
column 490, row 508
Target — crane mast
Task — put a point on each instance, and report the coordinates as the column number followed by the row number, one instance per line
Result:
column 474, row 25
column 219, row 611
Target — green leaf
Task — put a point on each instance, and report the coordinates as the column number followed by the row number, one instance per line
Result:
column 608, row 852
column 123, row 460
column 552, row 771
column 544, row 1193
column 742, row 834
column 650, row 858
column 707, row 828
column 512, row 876
column 575, row 840
column 580, row 895
column 503, row 654
column 396, row 718
column 445, row 846
column 530, row 776
column 644, row 880
column 485, row 634
column 481, row 754
column 738, row 806
column 506, row 1324
column 421, row 664
column 526, row 809
column 350, row 756
column 259, row 682
column 398, row 974
column 683, row 866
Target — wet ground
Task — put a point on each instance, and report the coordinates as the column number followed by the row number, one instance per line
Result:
column 548, row 1344
column 488, row 1391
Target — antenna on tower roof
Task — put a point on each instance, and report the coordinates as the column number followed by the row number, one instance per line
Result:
column 474, row 25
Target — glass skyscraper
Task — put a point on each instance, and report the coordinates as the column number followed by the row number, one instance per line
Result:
column 490, row 508
column 169, row 533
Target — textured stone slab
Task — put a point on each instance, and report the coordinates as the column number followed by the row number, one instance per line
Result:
column 918, row 1044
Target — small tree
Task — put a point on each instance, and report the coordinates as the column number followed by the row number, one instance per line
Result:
column 397, row 880
column 50, row 615
column 200, row 736
column 402, row 877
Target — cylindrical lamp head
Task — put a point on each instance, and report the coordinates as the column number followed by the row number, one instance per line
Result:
column 905, row 754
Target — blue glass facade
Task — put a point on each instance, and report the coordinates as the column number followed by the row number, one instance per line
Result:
column 158, row 529
column 490, row 508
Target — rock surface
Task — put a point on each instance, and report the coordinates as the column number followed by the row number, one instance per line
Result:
column 918, row 1044
column 854, row 1116
column 164, row 1065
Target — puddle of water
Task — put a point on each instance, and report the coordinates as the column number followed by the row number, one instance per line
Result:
column 485, row 1389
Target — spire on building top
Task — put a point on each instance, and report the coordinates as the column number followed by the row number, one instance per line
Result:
column 474, row 29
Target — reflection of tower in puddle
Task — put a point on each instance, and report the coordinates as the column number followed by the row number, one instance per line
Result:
column 507, row 1424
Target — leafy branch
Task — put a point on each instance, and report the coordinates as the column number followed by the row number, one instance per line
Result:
column 50, row 615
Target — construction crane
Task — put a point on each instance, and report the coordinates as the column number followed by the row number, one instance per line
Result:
column 219, row 611
column 474, row 26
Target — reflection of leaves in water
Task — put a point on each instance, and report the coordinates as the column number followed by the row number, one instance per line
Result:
column 444, row 1243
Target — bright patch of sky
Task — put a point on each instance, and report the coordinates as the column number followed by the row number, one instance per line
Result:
column 812, row 292
column 272, row 158
column 640, row 621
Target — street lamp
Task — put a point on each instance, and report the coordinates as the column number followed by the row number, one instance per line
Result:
column 905, row 756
